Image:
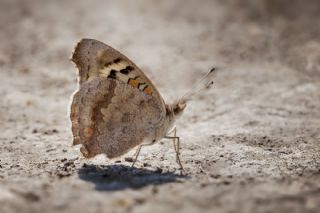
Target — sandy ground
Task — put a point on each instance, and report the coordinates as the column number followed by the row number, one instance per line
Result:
column 250, row 144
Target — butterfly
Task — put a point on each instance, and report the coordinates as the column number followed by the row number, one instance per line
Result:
column 117, row 107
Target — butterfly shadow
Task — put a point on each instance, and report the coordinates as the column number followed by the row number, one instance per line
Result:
column 120, row 177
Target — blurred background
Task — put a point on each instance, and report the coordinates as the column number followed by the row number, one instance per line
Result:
column 257, row 130
column 267, row 30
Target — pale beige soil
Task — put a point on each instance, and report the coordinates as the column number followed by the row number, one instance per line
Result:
column 250, row 144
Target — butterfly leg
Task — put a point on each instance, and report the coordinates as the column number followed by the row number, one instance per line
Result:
column 174, row 131
column 136, row 155
column 176, row 145
column 138, row 152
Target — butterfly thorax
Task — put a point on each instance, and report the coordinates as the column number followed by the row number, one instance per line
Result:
column 173, row 111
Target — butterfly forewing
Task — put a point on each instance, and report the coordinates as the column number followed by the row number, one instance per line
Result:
column 96, row 59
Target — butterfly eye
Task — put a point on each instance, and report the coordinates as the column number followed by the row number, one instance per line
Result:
column 181, row 106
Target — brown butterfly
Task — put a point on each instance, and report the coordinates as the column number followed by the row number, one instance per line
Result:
column 116, row 107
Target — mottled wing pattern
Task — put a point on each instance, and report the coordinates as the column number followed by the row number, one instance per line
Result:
column 111, row 117
column 109, row 113
column 96, row 59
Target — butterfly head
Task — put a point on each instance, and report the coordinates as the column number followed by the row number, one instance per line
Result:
column 175, row 110
column 178, row 107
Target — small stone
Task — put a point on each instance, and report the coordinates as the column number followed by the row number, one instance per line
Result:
column 63, row 174
column 128, row 159
column 154, row 190
column 139, row 201
column 202, row 185
column 146, row 164
column 159, row 170
column 226, row 182
column 215, row 176
column 30, row 196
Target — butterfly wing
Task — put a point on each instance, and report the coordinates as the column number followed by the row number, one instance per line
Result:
column 108, row 114
column 96, row 59
column 111, row 117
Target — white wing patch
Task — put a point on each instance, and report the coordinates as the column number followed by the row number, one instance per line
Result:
column 114, row 66
column 105, row 72
column 123, row 71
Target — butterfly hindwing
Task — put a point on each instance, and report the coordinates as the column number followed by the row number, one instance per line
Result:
column 108, row 118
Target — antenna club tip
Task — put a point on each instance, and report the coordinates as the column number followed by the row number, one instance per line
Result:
column 212, row 69
column 210, row 83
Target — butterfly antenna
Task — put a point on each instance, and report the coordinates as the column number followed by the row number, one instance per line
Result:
column 204, row 83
